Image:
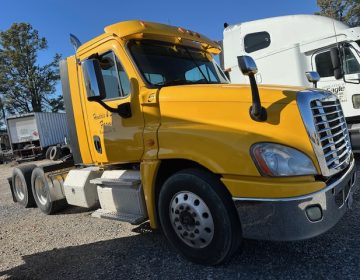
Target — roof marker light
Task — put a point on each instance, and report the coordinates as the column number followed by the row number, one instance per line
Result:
column 142, row 24
column 182, row 30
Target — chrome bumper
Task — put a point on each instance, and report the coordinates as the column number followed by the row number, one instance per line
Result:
column 297, row 218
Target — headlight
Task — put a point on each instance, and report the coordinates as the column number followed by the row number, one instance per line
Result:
column 278, row 160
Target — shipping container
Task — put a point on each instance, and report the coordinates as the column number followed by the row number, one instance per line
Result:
column 31, row 134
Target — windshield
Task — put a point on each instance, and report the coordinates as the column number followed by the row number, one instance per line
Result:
column 165, row 64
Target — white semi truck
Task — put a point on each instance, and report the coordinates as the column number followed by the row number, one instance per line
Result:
column 288, row 46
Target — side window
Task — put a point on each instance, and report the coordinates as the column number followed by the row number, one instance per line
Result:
column 256, row 41
column 116, row 81
column 350, row 63
column 323, row 64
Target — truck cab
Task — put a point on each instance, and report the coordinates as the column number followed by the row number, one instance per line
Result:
column 297, row 44
column 158, row 133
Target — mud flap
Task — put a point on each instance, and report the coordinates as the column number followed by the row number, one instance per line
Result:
column 12, row 189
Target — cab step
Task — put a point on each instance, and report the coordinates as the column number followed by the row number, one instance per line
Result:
column 121, row 196
column 123, row 217
column 115, row 182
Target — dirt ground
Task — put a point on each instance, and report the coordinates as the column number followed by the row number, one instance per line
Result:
column 73, row 245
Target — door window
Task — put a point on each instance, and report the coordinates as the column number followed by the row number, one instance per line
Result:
column 324, row 65
column 116, row 81
column 325, row 68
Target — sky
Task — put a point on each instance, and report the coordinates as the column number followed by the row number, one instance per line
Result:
column 55, row 19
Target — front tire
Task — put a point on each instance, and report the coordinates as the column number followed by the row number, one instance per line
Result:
column 198, row 217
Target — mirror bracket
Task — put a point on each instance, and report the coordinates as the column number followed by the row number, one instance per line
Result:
column 124, row 109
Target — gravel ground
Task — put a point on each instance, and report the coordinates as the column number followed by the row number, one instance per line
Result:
column 73, row 245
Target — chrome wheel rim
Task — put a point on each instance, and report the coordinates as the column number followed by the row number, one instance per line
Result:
column 19, row 188
column 41, row 191
column 191, row 219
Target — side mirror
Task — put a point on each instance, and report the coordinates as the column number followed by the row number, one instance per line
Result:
column 313, row 77
column 336, row 63
column 95, row 88
column 248, row 67
column 94, row 81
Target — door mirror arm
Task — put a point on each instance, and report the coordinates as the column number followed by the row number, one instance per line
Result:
column 124, row 109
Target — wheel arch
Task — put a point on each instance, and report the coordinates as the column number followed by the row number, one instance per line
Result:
column 160, row 172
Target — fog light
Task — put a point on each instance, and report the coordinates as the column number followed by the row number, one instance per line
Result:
column 314, row 213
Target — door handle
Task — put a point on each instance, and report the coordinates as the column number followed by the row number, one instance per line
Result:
column 97, row 144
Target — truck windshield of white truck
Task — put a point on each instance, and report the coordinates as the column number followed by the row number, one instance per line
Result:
column 167, row 64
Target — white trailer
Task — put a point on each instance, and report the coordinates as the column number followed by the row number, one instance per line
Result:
column 32, row 134
column 288, row 46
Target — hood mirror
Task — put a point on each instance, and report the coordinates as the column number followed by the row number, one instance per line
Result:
column 313, row 77
column 248, row 67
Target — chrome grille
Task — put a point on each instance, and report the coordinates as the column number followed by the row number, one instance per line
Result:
column 325, row 123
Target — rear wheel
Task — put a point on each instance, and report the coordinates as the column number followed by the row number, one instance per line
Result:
column 198, row 217
column 21, row 183
column 55, row 153
column 41, row 191
column 47, row 154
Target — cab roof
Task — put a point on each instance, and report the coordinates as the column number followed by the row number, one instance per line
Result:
column 132, row 28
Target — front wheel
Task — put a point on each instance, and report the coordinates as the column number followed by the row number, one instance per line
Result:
column 198, row 217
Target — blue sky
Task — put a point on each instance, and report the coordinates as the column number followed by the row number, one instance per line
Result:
column 55, row 19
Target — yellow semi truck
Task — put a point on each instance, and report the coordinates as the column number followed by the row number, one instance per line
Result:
column 158, row 133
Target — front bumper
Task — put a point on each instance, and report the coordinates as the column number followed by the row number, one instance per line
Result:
column 297, row 218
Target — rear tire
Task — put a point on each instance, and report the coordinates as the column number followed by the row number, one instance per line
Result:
column 21, row 184
column 47, row 154
column 198, row 217
column 55, row 153
column 41, row 191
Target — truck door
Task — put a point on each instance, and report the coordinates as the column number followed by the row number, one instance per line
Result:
column 347, row 89
column 114, row 139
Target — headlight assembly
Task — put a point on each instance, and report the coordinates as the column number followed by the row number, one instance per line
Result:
column 278, row 160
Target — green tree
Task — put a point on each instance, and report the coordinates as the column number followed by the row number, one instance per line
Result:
column 347, row 11
column 26, row 86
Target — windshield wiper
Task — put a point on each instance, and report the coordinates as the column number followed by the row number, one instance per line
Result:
column 183, row 82
column 172, row 83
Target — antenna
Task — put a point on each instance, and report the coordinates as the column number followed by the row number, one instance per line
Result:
column 75, row 41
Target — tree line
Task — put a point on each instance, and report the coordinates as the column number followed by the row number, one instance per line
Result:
column 26, row 86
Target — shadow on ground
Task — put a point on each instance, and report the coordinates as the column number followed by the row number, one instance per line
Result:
column 147, row 255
